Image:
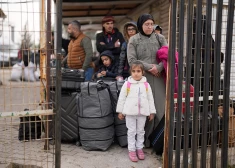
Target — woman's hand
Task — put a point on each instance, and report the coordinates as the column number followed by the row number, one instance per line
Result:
column 154, row 71
column 121, row 116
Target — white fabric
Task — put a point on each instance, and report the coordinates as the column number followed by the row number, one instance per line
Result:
column 138, row 96
column 37, row 74
column 29, row 72
column 16, row 72
column 135, row 133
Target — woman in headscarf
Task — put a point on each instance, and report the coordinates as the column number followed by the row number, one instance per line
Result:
column 143, row 47
column 130, row 29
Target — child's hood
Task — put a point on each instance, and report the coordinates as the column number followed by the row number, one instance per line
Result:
column 107, row 53
column 131, row 80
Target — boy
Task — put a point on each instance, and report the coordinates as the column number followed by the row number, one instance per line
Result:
column 108, row 67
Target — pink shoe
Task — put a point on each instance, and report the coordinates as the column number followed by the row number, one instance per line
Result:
column 140, row 154
column 132, row 156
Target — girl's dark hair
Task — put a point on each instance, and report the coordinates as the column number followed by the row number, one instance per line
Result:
column 137, row 64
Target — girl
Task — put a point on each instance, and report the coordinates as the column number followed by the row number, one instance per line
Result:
column 135, row 103
column 143, row 47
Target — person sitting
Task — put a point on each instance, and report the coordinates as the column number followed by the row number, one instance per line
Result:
column 108, row 67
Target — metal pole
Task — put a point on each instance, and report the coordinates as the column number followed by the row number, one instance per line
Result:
column 188, row 81
column 197, row 56
column 169, row 114
column 180, row 79
column 58, row 84
column 207, row 81
column 228, row 54
column 48, row 55
column 216, row 83
column 42, row 54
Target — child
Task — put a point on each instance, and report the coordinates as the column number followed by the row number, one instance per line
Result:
column 135, row 103
column 108, row 67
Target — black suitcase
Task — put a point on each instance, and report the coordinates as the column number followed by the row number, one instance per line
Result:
column 69, row 117
column 30, row 128
column 72, row 78
column 157, row 137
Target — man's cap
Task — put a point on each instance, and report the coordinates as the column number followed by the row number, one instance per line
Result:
column 107, row 19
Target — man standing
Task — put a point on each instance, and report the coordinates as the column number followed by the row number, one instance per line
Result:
column 80, row 50
column 110, row 38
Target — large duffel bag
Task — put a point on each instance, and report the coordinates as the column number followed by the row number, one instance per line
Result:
column 119, row 125
column 69, row 117
column 95, row 116
column 72, row 78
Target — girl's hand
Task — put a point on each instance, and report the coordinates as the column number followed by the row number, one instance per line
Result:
column 119, row 78
column 99, row 75
column 103, row 73
column 151, row 117
column 121, row 116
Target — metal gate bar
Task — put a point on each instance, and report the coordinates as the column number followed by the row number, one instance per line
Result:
column 228, row 54
column 216, row 83
column 58, row 84
column 180, row 79
column 206, row 83
column 170, row 84
column 188, row 79
column 196, row 80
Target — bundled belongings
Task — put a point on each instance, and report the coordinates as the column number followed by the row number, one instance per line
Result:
column 72, row 78
column 231, row 125
column 69, row 117
column 30, row 128
column 119, row 125
column 95, row 116
column 16, row 72
column 29, row 72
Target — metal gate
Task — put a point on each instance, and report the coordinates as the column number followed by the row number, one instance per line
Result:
column 200, row 116
column 27, row 113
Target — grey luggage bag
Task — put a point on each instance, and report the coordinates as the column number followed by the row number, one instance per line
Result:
column 95, row 116
column 119, row 125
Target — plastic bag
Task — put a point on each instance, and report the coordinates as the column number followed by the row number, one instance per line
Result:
column 29, row 72
column 16, row 72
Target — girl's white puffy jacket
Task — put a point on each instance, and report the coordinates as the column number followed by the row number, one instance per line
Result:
column 138, row 101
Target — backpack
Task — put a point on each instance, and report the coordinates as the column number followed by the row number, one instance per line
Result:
column 129, row 86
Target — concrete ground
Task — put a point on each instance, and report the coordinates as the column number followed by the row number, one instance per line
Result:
column 15, row 96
